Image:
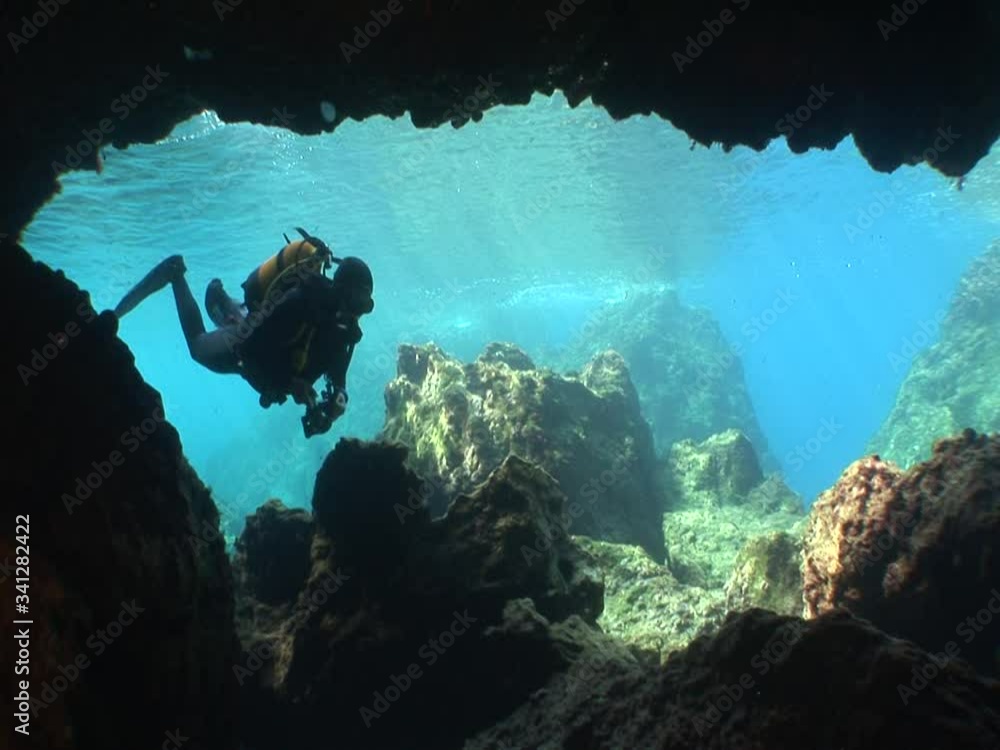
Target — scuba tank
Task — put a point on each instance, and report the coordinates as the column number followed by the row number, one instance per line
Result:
column 310, row 254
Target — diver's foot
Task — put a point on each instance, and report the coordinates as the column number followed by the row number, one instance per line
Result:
column 168, row 270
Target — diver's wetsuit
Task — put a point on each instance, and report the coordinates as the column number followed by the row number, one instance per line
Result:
column 301, row 336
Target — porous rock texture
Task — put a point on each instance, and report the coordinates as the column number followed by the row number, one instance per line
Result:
column 462, row 420
column 767, row 574
column 718, row 499
column 953, row 384
column 646, row 606
column 262, row 62
column 688, row 376
column 387, row 584
column 763, row 681
column 915, row 552
column 127, row 572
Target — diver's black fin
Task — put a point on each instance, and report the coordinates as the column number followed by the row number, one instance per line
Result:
column 167, row 270
column 287, row 241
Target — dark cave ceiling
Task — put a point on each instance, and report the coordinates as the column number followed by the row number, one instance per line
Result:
column 727, row 72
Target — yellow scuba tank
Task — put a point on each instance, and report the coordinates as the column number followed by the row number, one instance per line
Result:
column 307, row 254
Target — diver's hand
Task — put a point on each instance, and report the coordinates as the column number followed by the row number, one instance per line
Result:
column 303, row 392
column 339, row 405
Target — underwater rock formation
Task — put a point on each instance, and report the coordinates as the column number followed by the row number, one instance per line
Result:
column 953, row 385
column 767, row 574
column 914, row 552
column 393, row 597
column 754, row 685
column 129, row 588
column 462, row 420
column 689, row 378
column 646, row 606
column 273, row 553
column 717, row 500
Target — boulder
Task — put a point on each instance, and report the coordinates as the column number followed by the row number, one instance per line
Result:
column 462, row 420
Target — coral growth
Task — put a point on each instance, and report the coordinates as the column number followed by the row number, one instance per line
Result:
column 462, row 420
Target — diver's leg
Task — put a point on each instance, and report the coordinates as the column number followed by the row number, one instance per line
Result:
column 215, row 350
column 212, row 350
column 167, row 270
column 222, row 309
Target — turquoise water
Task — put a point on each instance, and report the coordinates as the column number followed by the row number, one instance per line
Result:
column 517, row 228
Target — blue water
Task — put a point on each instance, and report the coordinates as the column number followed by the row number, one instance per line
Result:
column 517, row 228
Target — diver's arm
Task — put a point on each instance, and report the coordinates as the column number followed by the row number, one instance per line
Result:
column 337, row 372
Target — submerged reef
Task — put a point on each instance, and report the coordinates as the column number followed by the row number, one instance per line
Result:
column 952, row 385
column 688, row 376
column 462, row 420
column 915, row 552
column 125, row 578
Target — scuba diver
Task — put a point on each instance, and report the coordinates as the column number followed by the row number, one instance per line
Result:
column 294, row 325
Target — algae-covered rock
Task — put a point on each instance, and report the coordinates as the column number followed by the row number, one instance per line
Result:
column 768, row 574
column 462, row 420
column 761, row 682
column 645, row 605
column 688, row 376
column 702, row 544
column 952, row 385
column 721, row 470
column 718, row 499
